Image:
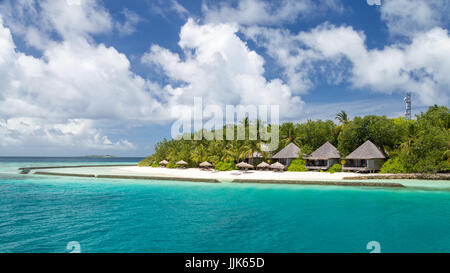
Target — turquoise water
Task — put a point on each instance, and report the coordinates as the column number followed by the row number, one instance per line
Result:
column 43, row 214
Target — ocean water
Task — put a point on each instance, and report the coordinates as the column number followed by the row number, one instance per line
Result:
column 43, row 214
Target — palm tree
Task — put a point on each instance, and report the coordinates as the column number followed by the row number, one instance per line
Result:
column 287, row 134
column 250, row 148
column 199, row 154
column 235, row 151
column 342, row 117
column 413, row 133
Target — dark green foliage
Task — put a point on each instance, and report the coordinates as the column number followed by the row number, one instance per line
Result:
column 384, row 132
column 172, row 165
column 394, row 165
column 225, row 166
column 155, row 165
column 314, row 134
column 297, row 165
column 335, row 168
column 427, row 152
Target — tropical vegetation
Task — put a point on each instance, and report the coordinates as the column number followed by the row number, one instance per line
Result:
column 297, row 165
column 420, row 145
column 335, row 168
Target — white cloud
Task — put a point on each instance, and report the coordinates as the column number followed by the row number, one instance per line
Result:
column 74, row 133
column 48, row 16
column 39, row 21
column 374, row 2
column 166, row 8
column 178, row 8
column 65, row 96
column 417, row 66
column 129, row 25
column 86, row 18
column 220, row 67
column 81, row 79
column 408, row 17
column 260, row 12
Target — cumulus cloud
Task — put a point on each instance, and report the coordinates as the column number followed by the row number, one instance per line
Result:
column 73, row 133
column 72, row 78
column 417, row 66
column 63, row 95
column 408, row 17
column 218, row 66
column 260, row 12
column 67, row 95
column 37, row 21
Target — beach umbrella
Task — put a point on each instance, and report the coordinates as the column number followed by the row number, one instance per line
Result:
column 181, row 162
column 244, row 165
column 163, row 163
column 205, row 165
column 277, row 166
column 263, row 165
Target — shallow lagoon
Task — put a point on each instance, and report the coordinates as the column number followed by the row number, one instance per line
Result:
column 43, row 214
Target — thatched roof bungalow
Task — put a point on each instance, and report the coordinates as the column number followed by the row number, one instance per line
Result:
column 323, row 158
column 289, row 153
column 366, row 158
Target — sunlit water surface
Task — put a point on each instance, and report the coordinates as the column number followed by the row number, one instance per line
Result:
column 44, row 214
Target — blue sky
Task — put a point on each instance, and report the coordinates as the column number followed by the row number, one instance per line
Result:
column 82, row 77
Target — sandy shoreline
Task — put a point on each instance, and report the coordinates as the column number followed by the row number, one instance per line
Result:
column 260, row 177
column 232, row 175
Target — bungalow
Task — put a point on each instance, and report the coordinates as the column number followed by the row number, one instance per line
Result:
column 289, row 153
column 367, row 158
column 323, row 158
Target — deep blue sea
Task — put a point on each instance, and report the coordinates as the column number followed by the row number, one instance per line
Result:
column 44, row 214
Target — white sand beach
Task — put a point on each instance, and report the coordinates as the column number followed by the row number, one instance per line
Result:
column 232, row 175
column 252, row 176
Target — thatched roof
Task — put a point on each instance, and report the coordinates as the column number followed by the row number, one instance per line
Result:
column 367, row 151
column 263, row 165
column 326, row 151
column 182, row 162
column 290, row 151
column 244, row 165
column 205, row 164
column 164, row 162
column 277, row 165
